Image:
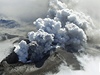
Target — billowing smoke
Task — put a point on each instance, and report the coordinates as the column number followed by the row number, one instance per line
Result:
column 62, row 27
column 91, row 7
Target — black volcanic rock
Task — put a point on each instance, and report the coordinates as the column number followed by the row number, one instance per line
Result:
column 11, row 58
column 49, row 64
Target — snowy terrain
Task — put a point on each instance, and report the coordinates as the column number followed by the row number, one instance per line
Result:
column 63, row 26
column 8, row 23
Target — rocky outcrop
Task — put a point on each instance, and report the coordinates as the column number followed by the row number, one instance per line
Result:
column 11, row 58
column 49, row 63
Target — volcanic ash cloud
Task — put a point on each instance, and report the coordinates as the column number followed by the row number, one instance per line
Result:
column 63, row 27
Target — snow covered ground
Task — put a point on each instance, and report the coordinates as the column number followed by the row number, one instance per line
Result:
column 64, row 25
column 5, row 49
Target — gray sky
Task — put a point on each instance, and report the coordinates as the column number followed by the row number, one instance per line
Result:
column 31, row 9
column 24, row 9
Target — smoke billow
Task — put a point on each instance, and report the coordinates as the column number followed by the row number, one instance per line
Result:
column 90, row 64
column 64, row 25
